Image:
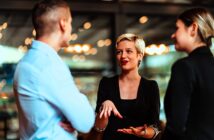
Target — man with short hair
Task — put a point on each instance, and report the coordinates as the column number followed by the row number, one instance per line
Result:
column 45, row 92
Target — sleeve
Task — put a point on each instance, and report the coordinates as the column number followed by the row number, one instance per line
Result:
column 155, row 104
column 101, row 95
column 177, row 99
column 65, row 96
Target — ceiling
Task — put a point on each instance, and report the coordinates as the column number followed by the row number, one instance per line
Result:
column 109, row 18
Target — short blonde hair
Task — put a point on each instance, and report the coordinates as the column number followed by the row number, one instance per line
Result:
column 139, row 42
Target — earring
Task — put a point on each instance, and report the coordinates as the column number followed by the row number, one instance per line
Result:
column 139, row 61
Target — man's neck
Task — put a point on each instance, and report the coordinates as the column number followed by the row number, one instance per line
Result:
column 51, row 41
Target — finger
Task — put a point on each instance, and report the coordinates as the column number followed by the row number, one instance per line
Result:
column 106, row 112
column 117, row 113
column 109, row 112
column 101, row 114
column 137, row 132
column 103, row 111
column 120, row 130
column 145, row 126
column 61, row 124
column 67, row 127
column 123, row 131
column 128, row 131
column 140, row 128
column 134, row 130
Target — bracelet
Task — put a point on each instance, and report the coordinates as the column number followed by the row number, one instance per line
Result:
column 100, row 130
column 156, row 132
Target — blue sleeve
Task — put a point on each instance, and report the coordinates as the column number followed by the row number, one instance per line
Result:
column 64, row 94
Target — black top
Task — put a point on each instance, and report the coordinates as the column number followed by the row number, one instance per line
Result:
column 189, row 100
column 137, row 112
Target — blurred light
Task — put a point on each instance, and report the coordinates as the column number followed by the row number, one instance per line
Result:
column 153, row 49
column 28, row 41
column 82, row 58
column 143, row 19
column 73, row 36
column 2, row 84
column 85, row 47
column 149, row 51
column 75, row 58
column 160, row 49
column 100, row 43
column 69, row 49
column 34, row 32
column 22, row 48
column 108, row 42
column 78, row 58
column 87, row 25
column 80, row 29
column 3, row 95
column 77, row 48
column 4, row 26
column 1, row 35
column 157, row 49
column 93, row 51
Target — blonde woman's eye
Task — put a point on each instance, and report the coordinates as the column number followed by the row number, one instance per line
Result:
column 118, row 52
column 129, row 51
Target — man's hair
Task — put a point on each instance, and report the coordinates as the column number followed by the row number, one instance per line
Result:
column 42, row 22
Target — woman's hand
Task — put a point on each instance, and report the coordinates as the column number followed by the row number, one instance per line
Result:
column 108, row 107
column 137, row 131
column 141, row 131
column 67, row 126
column 103, row 115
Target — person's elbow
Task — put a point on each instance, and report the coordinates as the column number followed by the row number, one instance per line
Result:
column 86, row 123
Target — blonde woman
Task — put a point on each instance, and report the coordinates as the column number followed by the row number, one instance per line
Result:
column 128, row 101
column 189, row 100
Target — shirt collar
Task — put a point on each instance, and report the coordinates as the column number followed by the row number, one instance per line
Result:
column 44, row 47
column 200, row 50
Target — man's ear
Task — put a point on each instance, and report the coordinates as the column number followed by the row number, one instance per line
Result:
column 62, row 24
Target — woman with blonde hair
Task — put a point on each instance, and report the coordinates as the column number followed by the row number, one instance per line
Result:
column 128, row 101
column 189, row 100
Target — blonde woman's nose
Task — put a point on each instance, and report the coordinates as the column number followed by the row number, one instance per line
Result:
column 124, row 54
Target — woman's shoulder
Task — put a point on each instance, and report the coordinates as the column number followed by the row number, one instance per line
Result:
column 183, row 64
column 145, row 80
column 109, row 79
column 149, row 87
column 183, row 61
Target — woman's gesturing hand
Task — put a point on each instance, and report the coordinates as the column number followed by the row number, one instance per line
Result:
column 108, row 107
column 141, row 131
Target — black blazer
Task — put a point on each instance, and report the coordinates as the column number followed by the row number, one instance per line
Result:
column 189, row 99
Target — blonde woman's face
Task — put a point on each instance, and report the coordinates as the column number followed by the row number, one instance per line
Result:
column 127, row 55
